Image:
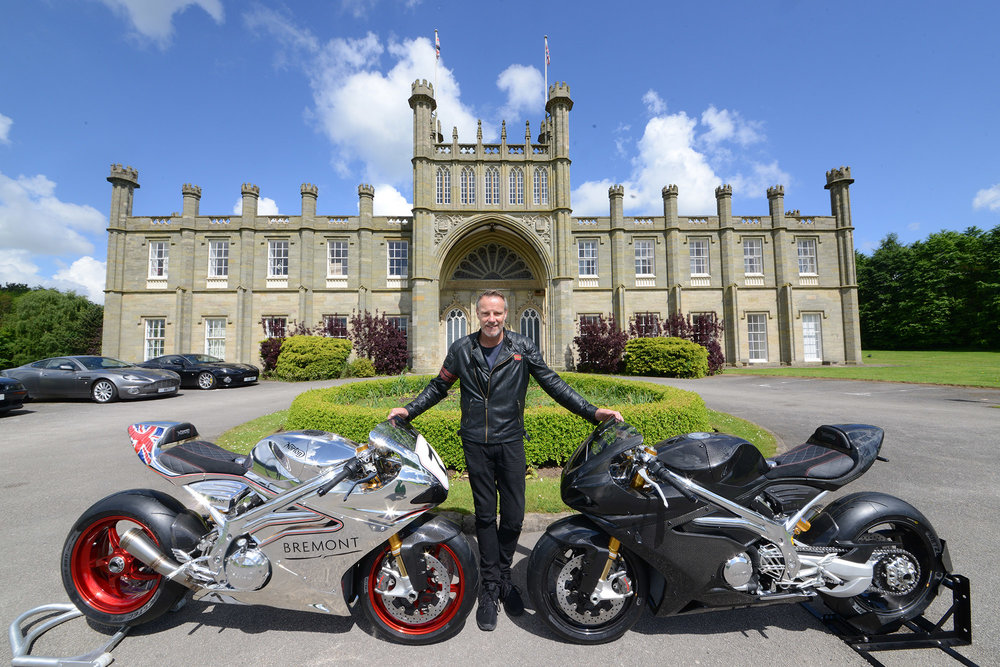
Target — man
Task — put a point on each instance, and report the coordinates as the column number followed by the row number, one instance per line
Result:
column 494, row 366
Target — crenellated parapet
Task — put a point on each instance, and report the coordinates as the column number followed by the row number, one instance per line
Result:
column 841, row 175
column 724, row 190
column 421, row 91
column 775, row 191
column 190, row 190
column 309, row 189
column 250, row 189
column 616, row 191
column 559, row 94
column 120, row 173
column 669, row 191
column 366, row 190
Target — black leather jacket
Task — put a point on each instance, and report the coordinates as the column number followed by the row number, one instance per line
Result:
column 493, row 401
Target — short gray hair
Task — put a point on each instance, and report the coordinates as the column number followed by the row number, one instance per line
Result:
column 492, row 292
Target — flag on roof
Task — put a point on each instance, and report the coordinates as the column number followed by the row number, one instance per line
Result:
column 437, row 45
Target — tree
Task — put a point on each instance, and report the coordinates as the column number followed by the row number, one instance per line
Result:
column 378, row 339
column 48, row 323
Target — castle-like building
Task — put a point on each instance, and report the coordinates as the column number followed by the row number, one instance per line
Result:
column 484, row 216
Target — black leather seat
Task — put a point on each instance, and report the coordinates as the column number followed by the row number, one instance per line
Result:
column 810, row 461
column 199, row 456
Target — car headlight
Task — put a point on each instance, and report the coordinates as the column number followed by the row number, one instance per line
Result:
column 135, row 378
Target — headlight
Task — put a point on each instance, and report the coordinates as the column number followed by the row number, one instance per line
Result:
column 135, row 378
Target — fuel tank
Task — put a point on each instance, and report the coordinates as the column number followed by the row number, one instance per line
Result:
column 291, row 458
column 713, row 458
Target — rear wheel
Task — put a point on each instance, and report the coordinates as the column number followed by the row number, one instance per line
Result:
column 103, row 391
column 444, row 597
column 554, row 574
column 206, row 380
column 107, row 583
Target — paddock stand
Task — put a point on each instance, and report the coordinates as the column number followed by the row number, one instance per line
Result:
column 47, row 617
column 922, row 632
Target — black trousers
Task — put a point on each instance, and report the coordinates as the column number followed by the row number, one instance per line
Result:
column 496, row 470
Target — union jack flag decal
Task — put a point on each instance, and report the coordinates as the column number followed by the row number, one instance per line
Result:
column 144, row 438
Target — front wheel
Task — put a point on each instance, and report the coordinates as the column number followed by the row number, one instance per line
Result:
column 554, row 573
column 103, row 391
column 108, row 584
column 444, row 597
column 906, row 574
column 206, row 380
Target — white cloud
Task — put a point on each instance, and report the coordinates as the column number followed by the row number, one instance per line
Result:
column 85, row 276
column 726, row 125
column 988, row 198
column 34, row 219
column 390, row 202
column 525, row 89
column 5, row 125
column 265, row 206
column 654, row 103
column 153, row 19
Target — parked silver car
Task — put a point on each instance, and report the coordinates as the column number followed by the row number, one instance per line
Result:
column 101, row 378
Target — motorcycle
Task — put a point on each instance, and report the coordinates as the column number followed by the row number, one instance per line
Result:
column 308, row 521
column 702, row 521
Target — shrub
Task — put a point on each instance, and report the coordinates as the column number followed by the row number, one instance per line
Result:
column 553, row 433
column 665, row 357
column 312, row 358
column 378, row 339
column 599, row 346
column 704, row 329
column 270, row 348
column 360, row 368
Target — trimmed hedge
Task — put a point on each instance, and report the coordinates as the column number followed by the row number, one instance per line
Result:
column 312, row 358
column 666, row 357
column 360, row 368
column 554, row 433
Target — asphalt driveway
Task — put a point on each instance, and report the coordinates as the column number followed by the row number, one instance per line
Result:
column 60, row 457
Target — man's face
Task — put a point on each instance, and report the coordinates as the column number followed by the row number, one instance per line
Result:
column 492, row 314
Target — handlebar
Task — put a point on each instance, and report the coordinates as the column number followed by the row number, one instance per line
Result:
column 661, row 472
column 352, row 467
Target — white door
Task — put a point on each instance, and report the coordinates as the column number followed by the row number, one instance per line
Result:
column 812, row 336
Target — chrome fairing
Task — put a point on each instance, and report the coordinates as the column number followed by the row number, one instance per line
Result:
column 288, row 459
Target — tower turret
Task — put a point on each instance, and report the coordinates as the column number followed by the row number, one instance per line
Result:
column 192, row 195
column 309, row 194
column 124, row 181
column 837, row 182
column 776, row 204
column 724, row 204
column 423, row 104
column 366, row 202
column 251, row 194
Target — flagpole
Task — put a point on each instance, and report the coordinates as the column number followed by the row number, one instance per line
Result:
column 437, row 57
column 545, row 93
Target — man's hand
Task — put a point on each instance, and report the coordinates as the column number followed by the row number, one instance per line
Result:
column 402, row 413
column 604, row 413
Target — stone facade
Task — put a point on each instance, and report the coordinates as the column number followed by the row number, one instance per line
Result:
column 484, row 216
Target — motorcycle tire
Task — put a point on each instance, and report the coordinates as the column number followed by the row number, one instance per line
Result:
column 906, row 579
column 552, row 569
column 109, row 585
column 435, row 615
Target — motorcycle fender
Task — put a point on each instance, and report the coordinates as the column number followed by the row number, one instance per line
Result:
column 426, row 531
column 578, row 531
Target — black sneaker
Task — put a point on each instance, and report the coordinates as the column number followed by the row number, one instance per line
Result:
column 510, row 596
column 489, row 605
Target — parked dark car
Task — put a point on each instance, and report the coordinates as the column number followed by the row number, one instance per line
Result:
column 205, row 371
column 12, row 394
column 101, row 378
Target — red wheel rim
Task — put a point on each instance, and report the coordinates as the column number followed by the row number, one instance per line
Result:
column 107, row 577
column 456, row 593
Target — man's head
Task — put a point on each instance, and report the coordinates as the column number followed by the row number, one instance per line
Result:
column 491, row 309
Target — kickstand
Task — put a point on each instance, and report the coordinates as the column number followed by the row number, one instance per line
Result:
column 20, row 642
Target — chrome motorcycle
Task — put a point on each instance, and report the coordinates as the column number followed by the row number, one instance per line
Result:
column 308, row 521
column 702, row 521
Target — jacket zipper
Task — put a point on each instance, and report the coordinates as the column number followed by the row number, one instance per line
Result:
column 486, row 398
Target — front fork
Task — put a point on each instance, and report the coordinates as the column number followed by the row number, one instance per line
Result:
column 395, row 583
column 611, row 587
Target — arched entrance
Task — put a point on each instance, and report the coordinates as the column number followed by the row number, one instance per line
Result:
column 492, row 256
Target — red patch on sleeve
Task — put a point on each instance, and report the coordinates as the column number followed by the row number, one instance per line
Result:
column 517, row 357
column 447, row 376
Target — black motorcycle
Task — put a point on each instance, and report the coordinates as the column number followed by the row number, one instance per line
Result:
column 703, row 521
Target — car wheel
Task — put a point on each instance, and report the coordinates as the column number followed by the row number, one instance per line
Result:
column 103, row 391
column 206, row 380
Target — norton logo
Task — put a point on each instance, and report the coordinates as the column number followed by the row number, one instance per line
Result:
column 292, row 449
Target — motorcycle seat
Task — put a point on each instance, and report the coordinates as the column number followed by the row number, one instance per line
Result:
column 810, row 461
column 200, row 456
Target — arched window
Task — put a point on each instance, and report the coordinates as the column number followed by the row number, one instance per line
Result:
column 492, row 189
column 531, row 326
column 516, row 186
column 468, row 182
column 456, row 325
column 443, row 185
column 541, row 189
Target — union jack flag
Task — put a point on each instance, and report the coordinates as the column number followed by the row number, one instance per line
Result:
column 547, row 60
column 437, row 45
column 144, row 438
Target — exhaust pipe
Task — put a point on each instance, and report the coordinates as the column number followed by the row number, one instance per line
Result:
column 136, row 543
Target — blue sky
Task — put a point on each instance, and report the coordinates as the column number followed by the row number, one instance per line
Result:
column 223, row 92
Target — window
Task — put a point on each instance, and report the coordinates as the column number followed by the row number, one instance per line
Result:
column 335, row 326
column 812, row 336
column 757, row 336
column 587, row 250
column 589, row 319
column 158, row 259
column 531, row 326
column 541, row 188
column 492, row 189
column 753, row 256
column 807, row 256
column 698, row 249
column 456, row 323
column 647, row 324
column 156, row 335
column 468, row 183
column 336, row 258
column 398, row 255
column 218, row 259
column 399, row 323
column 516, row 186
column 644, row 257
column 274, row 327
column 443, row 185
column 277, row 259
column 215, row 337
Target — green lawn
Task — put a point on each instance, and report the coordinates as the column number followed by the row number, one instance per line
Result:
column 973, row 369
